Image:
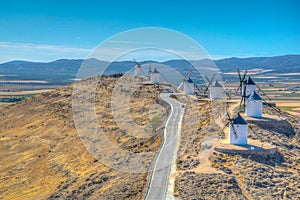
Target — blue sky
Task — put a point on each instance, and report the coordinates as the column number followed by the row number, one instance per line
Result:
column 47, row 30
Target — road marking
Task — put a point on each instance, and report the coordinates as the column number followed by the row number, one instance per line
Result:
column 171, row 184
column 159, row 153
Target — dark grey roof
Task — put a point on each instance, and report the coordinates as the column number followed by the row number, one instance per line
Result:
column 254, row 96
column 216, row 84
column 138, row 66
column 189, row 80
column 155, row 71
column 250, row 81
column 239, row 120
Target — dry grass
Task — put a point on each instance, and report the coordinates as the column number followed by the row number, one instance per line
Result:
column 43, row 157
column 193, row 121
column 273, row 176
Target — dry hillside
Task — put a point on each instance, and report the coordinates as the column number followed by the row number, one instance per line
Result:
column 42, row 156
column 204, row 173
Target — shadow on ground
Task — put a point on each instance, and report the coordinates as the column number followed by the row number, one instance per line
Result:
column 279, row 126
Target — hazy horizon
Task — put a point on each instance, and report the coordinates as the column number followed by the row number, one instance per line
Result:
column 34, row 61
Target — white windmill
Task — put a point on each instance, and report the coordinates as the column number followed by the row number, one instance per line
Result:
column 250, row 86
column 250, row 99
column 154, row 76
column 149, row 71
column 188, row 84
column 137, row 69
column 216, row 91
column 246, row 86
column 254, row 105
column 238, row 130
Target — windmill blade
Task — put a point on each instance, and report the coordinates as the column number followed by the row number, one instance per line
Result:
column 197, row 87
column 231, row 124
column 239, row 73
column 180, row 85
column 213, row 77
column 149, row 70
column 228, row 116
column 244, row 75
column 184, row 78
column 274, row 108
column 243, row 101
column 239, row 87
column 260, row 90
column 187, row 76
column 242, row 79
column 207, row 79
column 226, row 93
column 164, row 77
column 210, row 82
column 206, row 89
column 225, row 126
column 280, row 112
column 134, row 60
column 252, row 130
column 234, row 131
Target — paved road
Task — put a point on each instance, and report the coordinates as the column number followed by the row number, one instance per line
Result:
column 161, row 169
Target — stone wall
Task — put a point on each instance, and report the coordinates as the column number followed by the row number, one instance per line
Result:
column 257, row 151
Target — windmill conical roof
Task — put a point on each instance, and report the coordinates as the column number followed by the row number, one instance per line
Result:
column 138, row 66
column 239, row 120
column 155, row 71
column 216, row 84
column 189, row 80
column 250, row 81
column 254, row 96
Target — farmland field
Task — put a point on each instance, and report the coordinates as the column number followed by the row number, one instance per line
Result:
column 282, row 89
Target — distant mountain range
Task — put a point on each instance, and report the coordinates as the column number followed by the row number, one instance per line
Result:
column 64, row 71
column 279, row 64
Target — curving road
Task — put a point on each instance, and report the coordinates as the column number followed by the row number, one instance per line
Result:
column 159, row 179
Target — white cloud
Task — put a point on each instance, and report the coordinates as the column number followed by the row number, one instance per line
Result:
column 43, row 52
column 38, row 52
column 41, row 46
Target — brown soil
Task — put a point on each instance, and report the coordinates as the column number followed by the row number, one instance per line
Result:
column 42, row 156
column 254, row 176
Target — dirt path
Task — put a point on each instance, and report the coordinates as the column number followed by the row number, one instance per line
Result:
column 239, row 179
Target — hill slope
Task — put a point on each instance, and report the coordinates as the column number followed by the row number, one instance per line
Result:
column 42, row 156
column 207, row 172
